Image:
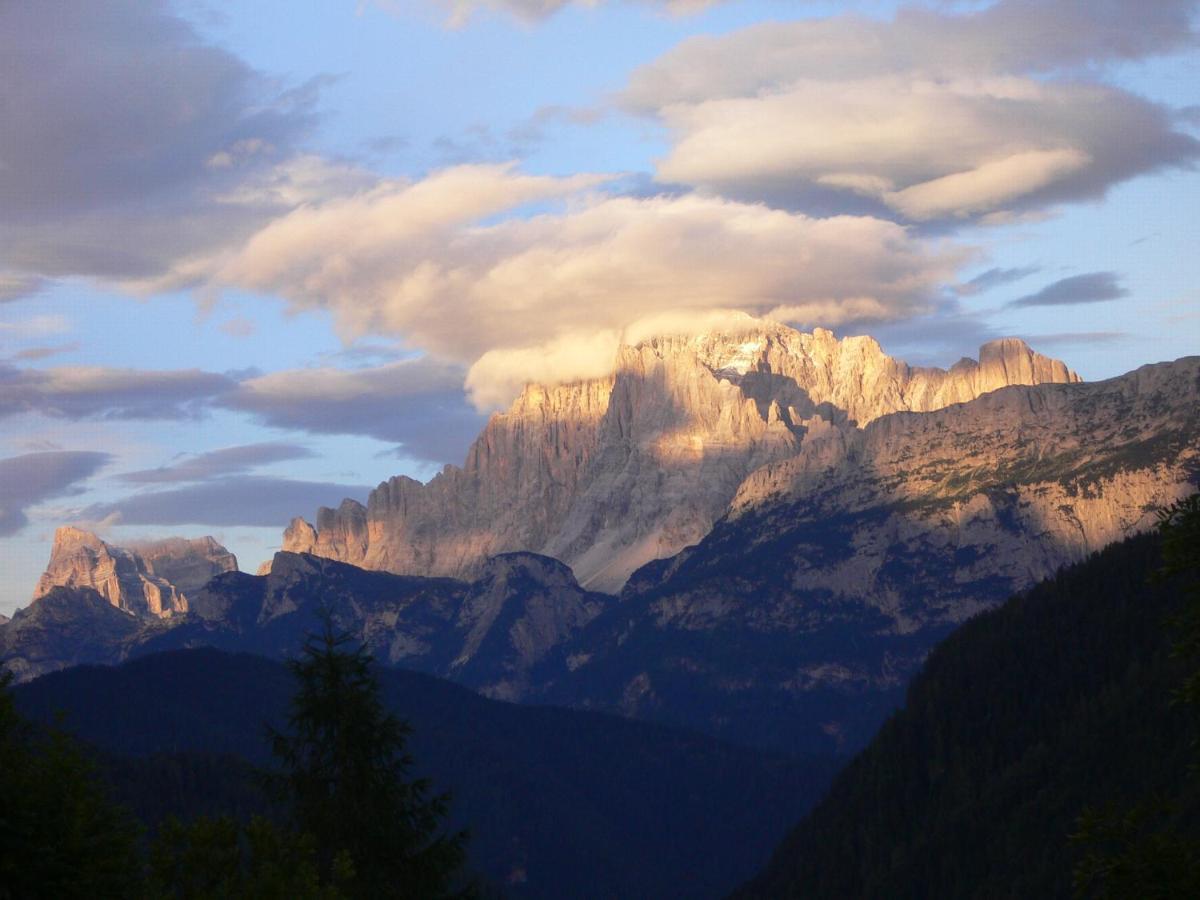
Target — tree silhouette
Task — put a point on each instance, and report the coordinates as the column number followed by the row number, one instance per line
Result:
column 1143, row 853
column 377, row 831
column 60, row 834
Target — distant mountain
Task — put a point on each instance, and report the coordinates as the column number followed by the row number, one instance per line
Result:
column 67, row 627
column 150, row 579
column 490, row 634
column 825, row 559
column 610, row 473
column 559, row 803
column 1059, row 699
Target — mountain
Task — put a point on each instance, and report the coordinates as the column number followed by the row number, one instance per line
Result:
column 608, row 474
column 558, row 802
column 1058, row 700
column 816, row 515
column 66, row 627
column 797, row 621
column 490, row 634
column 150, row 579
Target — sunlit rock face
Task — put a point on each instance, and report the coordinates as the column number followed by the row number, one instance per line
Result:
column 610, row 473
column 797, row 621
column 149, row 580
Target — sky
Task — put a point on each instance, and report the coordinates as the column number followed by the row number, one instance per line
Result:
column 255, row 258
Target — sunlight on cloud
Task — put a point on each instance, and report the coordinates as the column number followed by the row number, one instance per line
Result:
column 932, row 115
column 423, row 261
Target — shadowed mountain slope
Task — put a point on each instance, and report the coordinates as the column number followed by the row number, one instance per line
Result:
column 559, row 802
column 1058, row 700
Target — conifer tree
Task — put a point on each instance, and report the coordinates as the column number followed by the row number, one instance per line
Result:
column 60, row 834
column 377, row 831
column 1142, row 853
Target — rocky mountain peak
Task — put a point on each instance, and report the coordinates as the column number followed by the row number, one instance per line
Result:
column 148, row 580
column 609, row 473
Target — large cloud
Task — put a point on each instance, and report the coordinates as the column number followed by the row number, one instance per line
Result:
column 246, row 500
column 29, row 479
column 418, row 403
column 79, row 392
column 127, row 143
column 930, row 117
column 428, row 261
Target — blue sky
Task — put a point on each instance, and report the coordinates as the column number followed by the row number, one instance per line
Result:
column 272, row 254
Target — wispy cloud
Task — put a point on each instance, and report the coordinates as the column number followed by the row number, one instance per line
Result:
column 220, row 463
column 1093, row 287
column 1073, row 338
column 244, row 500
column 29, row 479
column 80, row 392
column 31, row 354
column 994, row 278
column 15, row 286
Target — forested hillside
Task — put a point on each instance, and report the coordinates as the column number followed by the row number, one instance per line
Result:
column 1058, row 701
column 558, row 802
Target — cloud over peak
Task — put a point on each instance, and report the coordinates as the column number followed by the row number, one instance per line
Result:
column 461, row 266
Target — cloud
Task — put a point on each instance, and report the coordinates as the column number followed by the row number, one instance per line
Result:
column 226, row 461
column 29, row 479
column 79, row 392
column 35, row 353
column 17, row 287
column 994, row 278
column 36, row 326
column 499, row 375
column 244, row 500
column 417, row 402
column 1094, row 287
column 451, row 265
column 932, row 116
column 1078, row 337
column 939, row 339
column 238, row 327
column 459, row 12
column 129, row 142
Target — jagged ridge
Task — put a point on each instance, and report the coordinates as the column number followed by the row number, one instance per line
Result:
column 608, row 474
column 150, row 579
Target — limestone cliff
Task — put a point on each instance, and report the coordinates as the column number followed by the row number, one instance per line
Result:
column 1016, row 483
column 148, row 580
column 798, row 619
column 610, row 473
